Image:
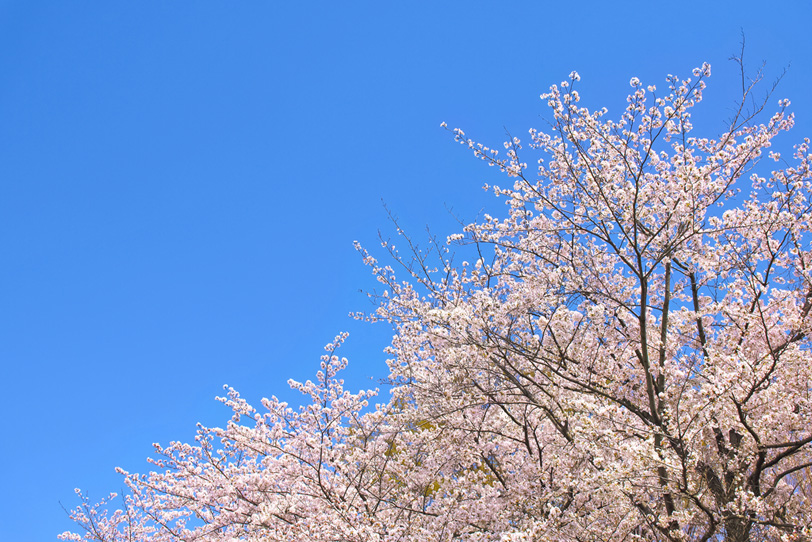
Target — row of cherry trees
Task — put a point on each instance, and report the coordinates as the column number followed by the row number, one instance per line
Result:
column 625, row 357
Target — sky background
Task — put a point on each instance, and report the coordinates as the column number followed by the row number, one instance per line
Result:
column 181, row 184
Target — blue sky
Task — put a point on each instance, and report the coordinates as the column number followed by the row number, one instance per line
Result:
column 181, row 184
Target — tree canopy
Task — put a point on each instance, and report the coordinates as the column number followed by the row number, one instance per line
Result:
column 625, row 356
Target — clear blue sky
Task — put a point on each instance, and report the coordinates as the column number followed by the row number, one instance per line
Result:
column 181, row 183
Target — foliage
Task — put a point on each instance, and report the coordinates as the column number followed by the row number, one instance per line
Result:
column 627, row 358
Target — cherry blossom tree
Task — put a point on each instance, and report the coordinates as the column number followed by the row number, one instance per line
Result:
column 625, row 357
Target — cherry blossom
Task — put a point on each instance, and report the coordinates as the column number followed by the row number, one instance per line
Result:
column 625, row 357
